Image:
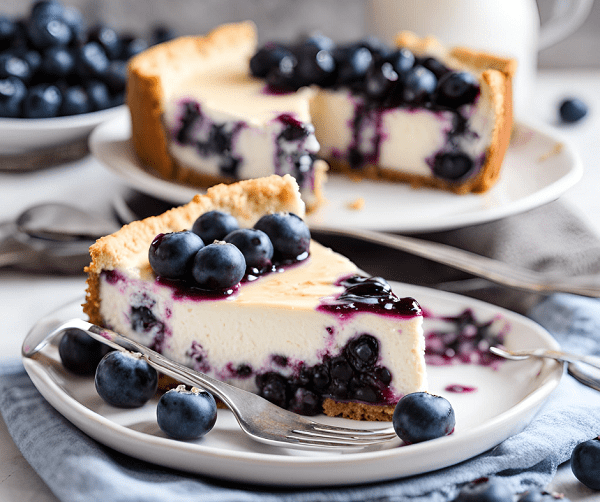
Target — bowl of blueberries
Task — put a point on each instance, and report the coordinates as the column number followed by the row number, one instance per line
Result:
column 59, row 76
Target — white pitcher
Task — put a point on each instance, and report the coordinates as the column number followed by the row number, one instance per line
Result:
column 504, row 27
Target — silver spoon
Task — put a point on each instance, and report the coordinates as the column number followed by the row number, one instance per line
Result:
column 58, row 221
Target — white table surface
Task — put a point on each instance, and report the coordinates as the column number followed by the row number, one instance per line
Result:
column 24, row 298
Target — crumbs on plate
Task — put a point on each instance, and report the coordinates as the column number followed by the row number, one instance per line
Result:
column 357, row 204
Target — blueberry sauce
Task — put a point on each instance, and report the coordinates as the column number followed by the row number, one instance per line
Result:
column 460, row 389
column 467, row 340
column 369, row 294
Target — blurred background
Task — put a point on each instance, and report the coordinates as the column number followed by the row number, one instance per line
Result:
column 286, row 19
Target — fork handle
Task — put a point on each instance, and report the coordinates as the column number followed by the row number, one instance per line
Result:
column 593, row 361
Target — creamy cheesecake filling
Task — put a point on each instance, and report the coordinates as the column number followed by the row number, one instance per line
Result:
column 400, row 139
column 225, row 126
column 283, row 325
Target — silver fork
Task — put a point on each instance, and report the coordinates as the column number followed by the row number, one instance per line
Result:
column 257, row 417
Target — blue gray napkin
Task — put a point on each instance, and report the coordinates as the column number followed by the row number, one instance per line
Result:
column 75, row 467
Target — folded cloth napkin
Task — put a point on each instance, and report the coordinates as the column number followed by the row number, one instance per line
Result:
column 75, row 467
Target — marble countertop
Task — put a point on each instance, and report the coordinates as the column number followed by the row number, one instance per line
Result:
column 24, row 298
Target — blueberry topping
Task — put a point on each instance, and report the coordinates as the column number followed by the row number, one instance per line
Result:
column 255, row 245
column 186, row 414
column 283, row 76
column 381, row 79
column 293, row 130
column 273, row 388
column 585, row 463
column 218, row 266
column 267, row 58
column 352, row 63
column 421, row 416
column 125, row 380
column 79, row 352
column 315, row 66
column 456, row 89
column 402, row 60
column 434, row 66
column 75, row 101
column 42, row 101
column 288, row 233
column 485, row 490
column 452, row 166
column 320, row 41
column 214, row 226
column 363, row 352
column 172, row 255
column 572, row 110
column 419, row 85
column 12, row 93
column 305, row 402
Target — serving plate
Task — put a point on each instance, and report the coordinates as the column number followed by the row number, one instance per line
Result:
column 20, row 136
column 539, row 166
column 500, row 404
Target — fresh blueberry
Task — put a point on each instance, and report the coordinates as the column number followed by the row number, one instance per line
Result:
column 485, row 490
column 116, row 76
column 125, row 379
column 452, row 166
column 58, row 62
column 34, row 59
column 42, row 101
column 172, row 255
column 456, row 88
column 572, row 110
column 254, row 244
column 434, row 66
column 315, row 66
column 214, row 226
column 75, row 101
column 218, row 266
column 320, row 41
column 377, row 46
column 99, row 95
column 12, row 94
column 352, row 63
column 419, row 85
column 74, row 19
column 13, row 66
column 47, row 32
column 381, row 79
column 47, row 9
column 107, row 38
column 8, row 30
column 161, row 33
column 288, row 233
column 186, row 414
column 402, row 60
column 131, row 46
column 421, row 416
column 283, row 76
column 92, row 61
column 585, row 463
column 268, row 58
column 79, row 352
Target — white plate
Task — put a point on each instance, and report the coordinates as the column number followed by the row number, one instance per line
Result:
column 25, row 135
column 503, row 404
column 537, row 169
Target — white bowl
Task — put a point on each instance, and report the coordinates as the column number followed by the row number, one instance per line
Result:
column 27, row 135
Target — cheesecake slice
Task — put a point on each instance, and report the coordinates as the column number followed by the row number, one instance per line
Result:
column 216, row 108
column 312, row 335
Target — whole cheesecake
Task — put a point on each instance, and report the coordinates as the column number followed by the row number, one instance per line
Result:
column 313, row 335
column 215, row 108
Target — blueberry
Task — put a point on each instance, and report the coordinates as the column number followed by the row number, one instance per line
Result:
column 34, row 59
column 42, row 101
column 214, row 225
column 421, row 416
column 92, row 61
column 305, row 402
column 315, row 66
column 254, row 244
column 377, row 46
column 452, row 166
column 363, row 352
column 273, row 388
column 125, row 379
column 283, row 76
column 75, row 101
column 47, row 32
column 585, row 463
column 72, row 16
column 320, row 41
column 456, row 89
column 58, row 62
column 107, row 38
column 340, row 370
column 434, row 66
column 116, row 76
column 186, row 414
column 381, row 79
column 419, row 85
column 402, row 60
column 288, row 233
column 161, row 33
column 268, row 58
column 99, row 95
column 218, row 266
column 352, row 63
column 572, row 110
column 131, row 46
column 12, row 93
column 13, row 66
column 294, row 129
column 485, row 490
column 8, row 30
column 47, row 9
column 172, row 255
column 320, row 377
column 79, row 352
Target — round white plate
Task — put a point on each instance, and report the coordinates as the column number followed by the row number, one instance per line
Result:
column 504, row 402
column 25, row 135
column 537, row 169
